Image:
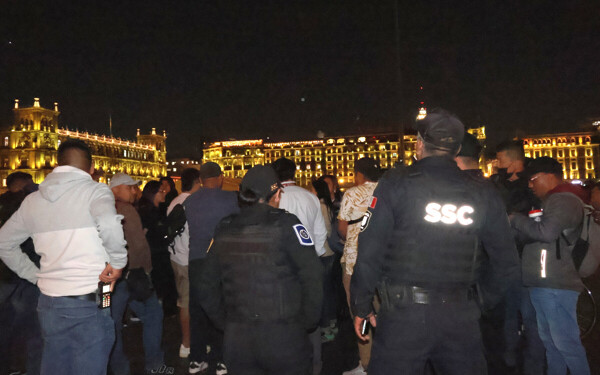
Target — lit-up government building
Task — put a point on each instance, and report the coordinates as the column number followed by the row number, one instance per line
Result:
column 578, row 152
column 31, row 142
column 315, row 158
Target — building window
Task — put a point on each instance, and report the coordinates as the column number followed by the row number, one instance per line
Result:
column 5, row 141
column 297, row 152
column 573, row 152
column 573, row 165
column 588, row 151
column 588, row 165
column 561, row 153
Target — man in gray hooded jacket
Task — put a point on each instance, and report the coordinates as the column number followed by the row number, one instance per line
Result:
column 548, row 268
column 78, row 234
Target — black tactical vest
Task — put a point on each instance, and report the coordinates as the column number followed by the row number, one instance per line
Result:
column 259, row 282
column 435, row 241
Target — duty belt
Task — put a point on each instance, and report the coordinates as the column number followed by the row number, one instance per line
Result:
column 408, row 294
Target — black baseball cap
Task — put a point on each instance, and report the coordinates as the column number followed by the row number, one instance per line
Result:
column 369, row 167
column 470, row 147
column 261, row 180
column 441, row 129
column 210, row 169
column 544, row 164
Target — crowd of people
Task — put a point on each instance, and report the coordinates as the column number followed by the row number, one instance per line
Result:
column 440, row 269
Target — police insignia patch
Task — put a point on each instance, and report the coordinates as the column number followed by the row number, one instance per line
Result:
column 365, row 220
column 303, row 236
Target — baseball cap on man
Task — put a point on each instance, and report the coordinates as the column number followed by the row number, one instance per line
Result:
column 369, row 167
column 441, row 129
column 122, row 179
column 209, row 170
column 470, row 147
column 261, row 180
column 544, row 164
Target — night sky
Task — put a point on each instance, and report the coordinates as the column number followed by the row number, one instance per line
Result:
column 287, row 69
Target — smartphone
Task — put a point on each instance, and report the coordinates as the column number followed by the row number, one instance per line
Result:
column 104, row 295
column 364, row 329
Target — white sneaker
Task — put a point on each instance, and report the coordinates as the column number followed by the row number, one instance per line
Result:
column 196, row 367
column 184, row 352
column 357, row 371
column 221, row 369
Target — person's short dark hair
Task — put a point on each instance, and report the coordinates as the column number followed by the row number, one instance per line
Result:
column 513, row 149
column 17, row 176
column 441, row 130
column 188, row 177
column 75, row 153
column 209, row 170
column 285, row 169
column 150, row 190
column 470, row 147
column 544, row 164
column 369, row 167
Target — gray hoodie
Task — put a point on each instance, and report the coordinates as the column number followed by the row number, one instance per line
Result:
column 76, row 231
column 543, row 267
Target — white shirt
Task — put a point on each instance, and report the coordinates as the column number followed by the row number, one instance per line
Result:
column 307, row 208
column 181, row 244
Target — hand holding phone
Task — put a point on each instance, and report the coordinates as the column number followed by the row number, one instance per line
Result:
column 104, row 295
column 365, row 327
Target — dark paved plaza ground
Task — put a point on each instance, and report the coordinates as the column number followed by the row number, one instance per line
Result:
column 338, row 356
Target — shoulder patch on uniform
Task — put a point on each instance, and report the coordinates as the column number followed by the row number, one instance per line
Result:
column 365, row 220
column 373, row 202
column 302, row 234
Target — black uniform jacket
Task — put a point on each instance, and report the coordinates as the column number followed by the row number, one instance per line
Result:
column 261, row 267
column 425, row 227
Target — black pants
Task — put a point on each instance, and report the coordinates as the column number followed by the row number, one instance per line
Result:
column 447, row 335
column 267, row 349
column 202, row 330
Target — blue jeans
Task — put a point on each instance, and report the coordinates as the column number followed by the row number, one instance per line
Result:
column 151, row 314
column 557, row 325
column 77, row 336
column 518, row 300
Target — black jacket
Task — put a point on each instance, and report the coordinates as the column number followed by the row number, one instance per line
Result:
column 261, row 268
column 425, row 228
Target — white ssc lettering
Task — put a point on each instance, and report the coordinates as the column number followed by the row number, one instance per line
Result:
column 448, row 214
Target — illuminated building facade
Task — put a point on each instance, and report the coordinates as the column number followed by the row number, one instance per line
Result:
column 314, row 158
column 31, row 142
column 577, row 152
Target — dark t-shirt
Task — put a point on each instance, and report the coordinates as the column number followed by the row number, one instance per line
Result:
column 204, row 210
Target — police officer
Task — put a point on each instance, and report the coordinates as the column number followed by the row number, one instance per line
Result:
column 262, row 282
column 420, row 246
